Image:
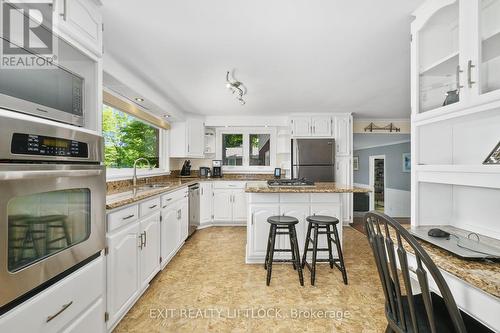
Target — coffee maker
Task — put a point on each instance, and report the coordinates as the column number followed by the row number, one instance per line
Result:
column 217, row 168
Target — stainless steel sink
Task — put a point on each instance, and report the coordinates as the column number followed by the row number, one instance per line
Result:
column 151, row 186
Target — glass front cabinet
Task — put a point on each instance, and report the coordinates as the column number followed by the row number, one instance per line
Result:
column 455, row 54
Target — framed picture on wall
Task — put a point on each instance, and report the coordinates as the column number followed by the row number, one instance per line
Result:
column 406, row 162
column 355, row 163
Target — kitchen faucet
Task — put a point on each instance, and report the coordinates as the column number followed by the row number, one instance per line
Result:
column 134, row 179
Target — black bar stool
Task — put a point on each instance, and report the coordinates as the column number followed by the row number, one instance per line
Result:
column 323, row 222
column 286, row 223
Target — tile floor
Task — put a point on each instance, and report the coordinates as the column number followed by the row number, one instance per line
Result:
column 207, row 287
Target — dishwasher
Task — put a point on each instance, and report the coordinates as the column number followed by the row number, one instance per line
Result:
column 194, row 208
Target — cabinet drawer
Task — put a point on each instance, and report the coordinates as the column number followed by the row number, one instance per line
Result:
column 326, row 197
column 229, row 185
column 149, row 206
column 294, row 197
column 264, row 198
column 173, row 196
column 73, row 295
column 122, row 217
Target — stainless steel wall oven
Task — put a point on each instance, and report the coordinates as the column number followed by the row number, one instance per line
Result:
column 52, row 203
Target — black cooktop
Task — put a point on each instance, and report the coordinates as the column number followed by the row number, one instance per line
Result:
column 290, row 182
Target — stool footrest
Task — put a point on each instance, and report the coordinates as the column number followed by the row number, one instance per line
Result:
column 319, row 249
column 282, row 233
column 283, row 260
column 282, row 250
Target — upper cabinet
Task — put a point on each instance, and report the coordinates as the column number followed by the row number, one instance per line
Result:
column 80, row 21
column 187, row 139
column 455, row 54
column 343, row 135
column 315, row 126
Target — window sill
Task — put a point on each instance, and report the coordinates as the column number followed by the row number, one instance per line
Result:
column 128, row 173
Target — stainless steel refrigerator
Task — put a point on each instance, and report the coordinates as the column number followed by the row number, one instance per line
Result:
column 313, row 159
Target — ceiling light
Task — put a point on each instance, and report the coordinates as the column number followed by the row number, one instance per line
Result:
column 236, row 87
column 138, row 99
column 166, row 116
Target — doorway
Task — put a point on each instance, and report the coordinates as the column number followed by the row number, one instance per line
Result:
column 377, row 183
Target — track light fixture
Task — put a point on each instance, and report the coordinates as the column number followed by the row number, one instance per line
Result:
column 236, row 87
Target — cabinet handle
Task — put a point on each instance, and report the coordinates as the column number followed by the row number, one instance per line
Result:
column 253, row 217
column 202, row 191
column 459, row 86
column 145, row 239
column 63, row 308
column 128, row 217
column 64, row 13
column 470, row 66
column 151, row 207
column 141, row 242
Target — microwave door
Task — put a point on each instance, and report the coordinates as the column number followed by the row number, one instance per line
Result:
column 54, row 218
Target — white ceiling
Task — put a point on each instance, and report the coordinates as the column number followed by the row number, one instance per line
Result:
column 293, row 55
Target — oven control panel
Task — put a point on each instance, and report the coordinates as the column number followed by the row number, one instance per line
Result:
column 32, row 144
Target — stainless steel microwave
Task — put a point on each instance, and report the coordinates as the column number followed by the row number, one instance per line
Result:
column 52, row 93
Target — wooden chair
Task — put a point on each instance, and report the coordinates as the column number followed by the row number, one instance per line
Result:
column 406, row 312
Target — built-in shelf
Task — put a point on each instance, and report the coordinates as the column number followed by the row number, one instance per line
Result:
column 443, row 67
column 463, row 175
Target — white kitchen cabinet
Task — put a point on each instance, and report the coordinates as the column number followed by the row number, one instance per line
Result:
column 300, row 212
column 343, row 176
column 239, row 205
column 321, row 126
column 170, row 232
column 229, row 200
column 81, row 21
column 122, row 271
column 187, row 138
column 259, row 229
column 80, row 294
column 223, row 205
column 315, row 126
column 206, row 202
column 150, row 248
column 301, row 126
column 184, row 219
column 343, row 135
column 455, row 53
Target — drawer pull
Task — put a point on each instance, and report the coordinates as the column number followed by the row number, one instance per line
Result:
column 128, row 217
column 151, row 207
column 64, row 307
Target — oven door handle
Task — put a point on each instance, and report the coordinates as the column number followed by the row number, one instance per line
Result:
column 33, row 174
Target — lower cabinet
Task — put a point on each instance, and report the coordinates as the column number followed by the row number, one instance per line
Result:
column 133, row 260
column 184, row 219
column 206, row 203
column 170, row 232
column 150, row 248
column 262, row 206
column 122, row 271
column 74, row 304
column 229, row 202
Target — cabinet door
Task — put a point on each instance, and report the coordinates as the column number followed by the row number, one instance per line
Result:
column 486, row 83
column 184, row 219
column 150, row 252
column 343, row 135
column 321, row 126
column 206, row 202
column 301, row 126
column 438, row 56
column 195, row 137
column 259, row 229
column 300, row 213
column 223, row 205
column 170, row 231
column 239, row 205
column 81, row 20
column 89, row 321
column 122, row 270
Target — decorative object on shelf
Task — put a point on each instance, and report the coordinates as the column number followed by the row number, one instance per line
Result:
column 389, row 127
column 355, row 163
column 236, row 87
column 406, row 162
column 494, row 156
column 452, row 96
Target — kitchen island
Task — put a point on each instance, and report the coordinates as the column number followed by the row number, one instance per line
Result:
column 323, row 198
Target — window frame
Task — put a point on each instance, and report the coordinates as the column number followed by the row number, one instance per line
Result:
column 246, row 131
column 162, row 169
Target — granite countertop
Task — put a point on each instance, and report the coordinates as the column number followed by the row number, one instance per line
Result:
column 481, row 274
column 121, row 193
column 319, row 187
